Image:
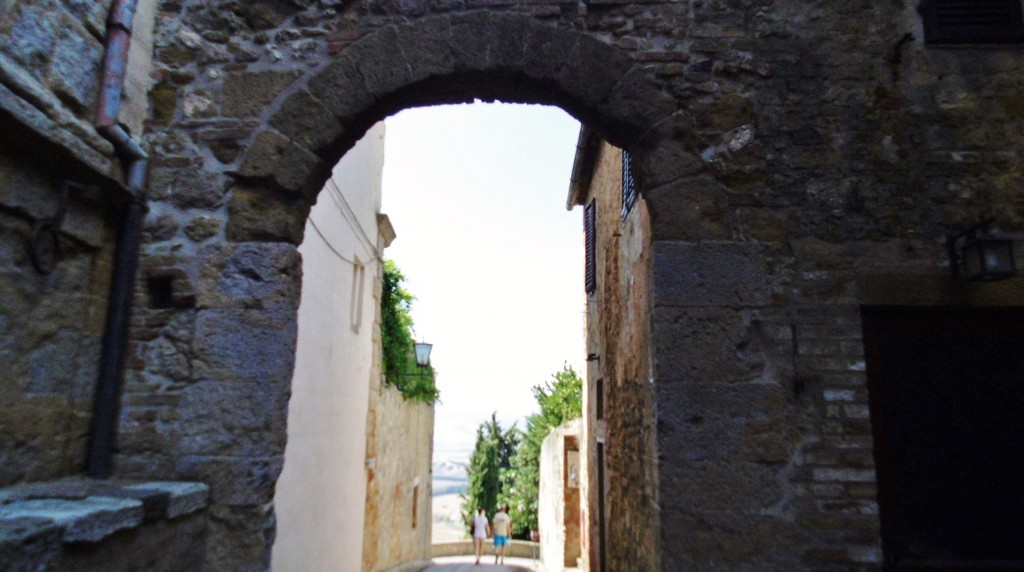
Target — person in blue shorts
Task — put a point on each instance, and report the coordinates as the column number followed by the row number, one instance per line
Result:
column 502, row 529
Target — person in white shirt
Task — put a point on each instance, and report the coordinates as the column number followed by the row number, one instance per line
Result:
column 481, row 530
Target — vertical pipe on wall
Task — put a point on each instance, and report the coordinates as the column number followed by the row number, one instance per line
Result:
column 106, row 403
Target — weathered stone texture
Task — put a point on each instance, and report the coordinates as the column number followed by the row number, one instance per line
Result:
column 400, row 439
column 798, row 160
column 618, row 329
column 51, row 324
column 81, row 524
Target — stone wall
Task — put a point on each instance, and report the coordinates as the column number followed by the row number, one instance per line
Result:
column 797, row 159
column 399, row 491
column 51, row 324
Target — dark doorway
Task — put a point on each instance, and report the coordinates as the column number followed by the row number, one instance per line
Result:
column 947, row 408
column 602, row 538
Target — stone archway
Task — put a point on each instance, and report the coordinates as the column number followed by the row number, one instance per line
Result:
column 240, row 327
column 442, row 59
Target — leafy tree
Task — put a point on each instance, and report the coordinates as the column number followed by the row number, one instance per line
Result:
column 560, row 400
column 492, row 456
column 399, row 361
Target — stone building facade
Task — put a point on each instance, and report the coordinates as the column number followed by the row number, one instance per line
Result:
column 800, row 163
column 619, row 401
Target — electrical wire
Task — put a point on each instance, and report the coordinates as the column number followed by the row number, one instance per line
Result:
column 335, row 250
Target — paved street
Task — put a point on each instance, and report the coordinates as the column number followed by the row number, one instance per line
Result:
column 465, row 564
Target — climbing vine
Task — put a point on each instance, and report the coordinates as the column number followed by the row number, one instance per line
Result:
column 396, row 334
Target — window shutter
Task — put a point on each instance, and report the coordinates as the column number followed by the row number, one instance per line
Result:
column 628, row 184
column 972, row 21
column 590, row 245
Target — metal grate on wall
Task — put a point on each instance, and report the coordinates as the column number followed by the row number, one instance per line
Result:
column 628, row 185
column 972, row 21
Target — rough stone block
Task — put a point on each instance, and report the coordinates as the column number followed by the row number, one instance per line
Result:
column 706, row 344
column 341, row 88
column 638, row 96
column 232, row 419
column 691, row 209
column 265, row 215
column 307, row 121
column 273, row 157
column 729, row 540
column 248, row 93
column 189, row 188
column 87, row 520
column 184, row 498
column 667, row 152
column 30, row 40
column 29, row 544
column 255, row 346
column 427, row 57
column 720, row 485
column 250, row 275
column 383, row 70
column 244, row 534
column 844, row 475
column 474, row 34
column 687, row 274
column 75, row 68
column 235, row 481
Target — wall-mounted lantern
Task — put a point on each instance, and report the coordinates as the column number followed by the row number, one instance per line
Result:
column 422, row 353
column 978, row 256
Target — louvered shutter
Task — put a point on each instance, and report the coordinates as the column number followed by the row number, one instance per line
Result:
column 972, row 21
column 628, row 184
column 590, row 245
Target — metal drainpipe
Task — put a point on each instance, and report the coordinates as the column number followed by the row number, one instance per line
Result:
column 106, row 404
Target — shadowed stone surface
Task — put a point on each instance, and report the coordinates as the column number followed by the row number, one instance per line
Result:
column 687, row 274
column 794, row 158
column 86, row 520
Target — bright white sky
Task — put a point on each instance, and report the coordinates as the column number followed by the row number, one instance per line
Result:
column 477, row 194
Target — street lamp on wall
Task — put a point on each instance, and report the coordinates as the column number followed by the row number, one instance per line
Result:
column 978, row 256
column 422, row 353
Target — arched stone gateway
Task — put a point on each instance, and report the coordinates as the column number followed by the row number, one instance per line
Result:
column 802, row 162
column 240, row 324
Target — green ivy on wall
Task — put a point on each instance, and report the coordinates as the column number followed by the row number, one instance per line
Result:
column 399, row 362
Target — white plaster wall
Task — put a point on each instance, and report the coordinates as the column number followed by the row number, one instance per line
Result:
column 321, row 494
column 551, row 509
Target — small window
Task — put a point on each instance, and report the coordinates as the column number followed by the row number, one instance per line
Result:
column 358, row 279
column 972, row 21
column 600, row 399
column 415, row 503
column 590, row 245
column 628, row 185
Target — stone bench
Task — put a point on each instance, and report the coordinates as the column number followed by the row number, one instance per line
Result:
column 77, row 523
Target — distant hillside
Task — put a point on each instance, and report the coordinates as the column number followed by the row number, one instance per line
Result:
column 450, row 477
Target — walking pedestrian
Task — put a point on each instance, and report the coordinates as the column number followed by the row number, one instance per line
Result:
column 481, row 530
column 502, row 530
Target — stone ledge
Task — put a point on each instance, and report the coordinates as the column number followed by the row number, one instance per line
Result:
column 85, row 520
column 89, row 511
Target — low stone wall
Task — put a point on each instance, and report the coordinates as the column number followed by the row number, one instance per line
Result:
column 78, row 524
column 516, row 549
